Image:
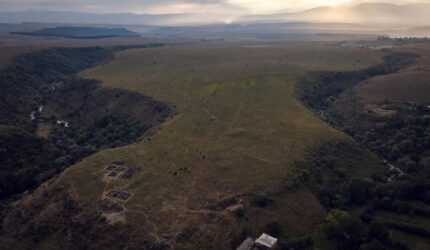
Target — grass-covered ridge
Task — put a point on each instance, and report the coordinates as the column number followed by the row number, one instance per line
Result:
column 237, row 137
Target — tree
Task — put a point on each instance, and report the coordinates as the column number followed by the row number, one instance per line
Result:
column 346, row 230
column 360, row 191
column 379, row 232
column 409, row 164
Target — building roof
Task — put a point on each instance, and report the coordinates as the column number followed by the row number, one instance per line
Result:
column 266, row 240
column 246, row 244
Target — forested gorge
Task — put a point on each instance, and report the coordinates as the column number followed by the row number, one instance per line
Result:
column 401, row 139
column 320, row 89
column 79, row 116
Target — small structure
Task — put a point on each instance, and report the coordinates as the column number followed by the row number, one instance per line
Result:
column 266, row 242
column 111, row 167
column 119, row 170
column 113, row 170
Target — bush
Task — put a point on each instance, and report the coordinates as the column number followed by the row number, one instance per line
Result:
column 378, row 231
column 305, row 243
column 360, row 191
column 274, row 229
column 262, row 200
column 239, row 213
column 346, row 231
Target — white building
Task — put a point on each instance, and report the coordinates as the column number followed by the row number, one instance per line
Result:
column 266, row 242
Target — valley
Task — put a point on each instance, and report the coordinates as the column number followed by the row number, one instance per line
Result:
column 239, row 133
column 186, row 141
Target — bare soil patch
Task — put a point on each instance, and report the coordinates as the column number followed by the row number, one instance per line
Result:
column 120, row 195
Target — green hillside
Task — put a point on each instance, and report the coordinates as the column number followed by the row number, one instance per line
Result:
column 238, row 139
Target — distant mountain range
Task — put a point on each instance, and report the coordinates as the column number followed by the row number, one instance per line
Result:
column 115, row 18
column 383, row 14
column 81, row 32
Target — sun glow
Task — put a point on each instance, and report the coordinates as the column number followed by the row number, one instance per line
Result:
column 277, row 5
column 330, row 2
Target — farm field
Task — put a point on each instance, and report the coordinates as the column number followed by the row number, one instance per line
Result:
column 238, row 132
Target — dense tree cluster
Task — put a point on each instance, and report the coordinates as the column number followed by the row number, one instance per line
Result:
column 372, row 195
column 25, row 81
column 403, row 138
column 404, row 40
column 26, row 159
column 349, row 232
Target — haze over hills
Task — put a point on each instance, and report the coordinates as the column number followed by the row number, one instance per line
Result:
column 383, row 14
column 109, row 18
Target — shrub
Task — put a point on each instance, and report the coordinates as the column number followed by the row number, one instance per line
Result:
column 274, row 229
column 262, row 200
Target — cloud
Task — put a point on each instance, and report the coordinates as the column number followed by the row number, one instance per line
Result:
column 271, row 6
column 115, row 6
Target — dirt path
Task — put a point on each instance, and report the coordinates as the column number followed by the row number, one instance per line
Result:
column 239, row 151
column 155, row 233
column 394, row 169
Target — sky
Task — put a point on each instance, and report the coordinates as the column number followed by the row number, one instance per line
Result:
column 180, row 6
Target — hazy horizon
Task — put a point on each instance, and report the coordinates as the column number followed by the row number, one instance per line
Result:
column 224, row 7
column 393, row 14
